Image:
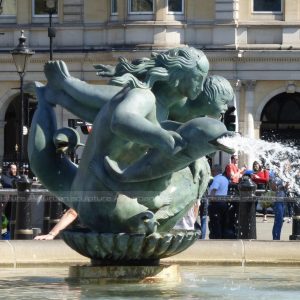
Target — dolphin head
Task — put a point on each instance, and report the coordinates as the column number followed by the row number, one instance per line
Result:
column 202, row 135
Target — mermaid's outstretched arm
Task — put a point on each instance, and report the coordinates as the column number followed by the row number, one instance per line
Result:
column 92, row 96
column 80, row 110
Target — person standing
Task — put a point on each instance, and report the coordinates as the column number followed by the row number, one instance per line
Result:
column 233, row 173
column 217, row 210
column 8, row 182
column 203, row 211
column 260, row 177
column 277, row 185
column 8, row 179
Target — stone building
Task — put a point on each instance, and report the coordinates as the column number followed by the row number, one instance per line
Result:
column 253, row 43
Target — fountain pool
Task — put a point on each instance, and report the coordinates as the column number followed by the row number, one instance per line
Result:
column 198, row 282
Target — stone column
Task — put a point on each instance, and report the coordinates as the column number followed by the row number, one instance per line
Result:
column 160, row 10
column 249, row 115
column 122, row 10
column 73, row 11
column 225, row 12
column 2, row 125
column 257, row 128
column 238, row 86
column 160, row 32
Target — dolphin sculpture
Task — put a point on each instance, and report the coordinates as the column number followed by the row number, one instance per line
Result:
column 201, row 136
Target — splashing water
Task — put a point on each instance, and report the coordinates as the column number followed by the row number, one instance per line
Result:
column 282, row 160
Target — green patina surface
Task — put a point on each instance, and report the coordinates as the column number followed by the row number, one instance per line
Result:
column 143, row 165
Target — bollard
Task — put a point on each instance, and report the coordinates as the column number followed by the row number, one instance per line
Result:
column 13, row 211
column 23, row 226
column 36, row 232
column 296, row 222
column 37, row 205
column 46, row 222
column 247, row 209
column 1, row 211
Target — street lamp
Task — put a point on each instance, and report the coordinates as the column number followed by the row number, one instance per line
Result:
column 52, row 8
column 1, row 11
column 21, row 55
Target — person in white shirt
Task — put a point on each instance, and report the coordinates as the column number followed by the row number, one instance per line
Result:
column 218, row 207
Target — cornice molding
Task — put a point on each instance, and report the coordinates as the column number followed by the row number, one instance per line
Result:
column 255, row 59
column 112, row 55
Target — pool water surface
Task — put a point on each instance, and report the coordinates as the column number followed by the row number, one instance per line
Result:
column 198, row 282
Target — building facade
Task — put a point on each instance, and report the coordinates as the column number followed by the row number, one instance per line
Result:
column 255, row 44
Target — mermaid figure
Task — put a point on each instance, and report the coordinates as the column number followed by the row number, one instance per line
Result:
column 130, row 121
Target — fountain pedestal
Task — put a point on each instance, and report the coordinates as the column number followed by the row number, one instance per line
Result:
column 90, row 274
column 125, row 257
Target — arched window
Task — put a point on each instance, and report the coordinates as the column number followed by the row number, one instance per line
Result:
column 281, row 118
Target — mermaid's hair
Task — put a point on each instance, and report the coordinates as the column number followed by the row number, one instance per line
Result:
column 215, row 86
column 167, row 66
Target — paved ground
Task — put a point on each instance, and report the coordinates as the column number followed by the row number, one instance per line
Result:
column 264, row 229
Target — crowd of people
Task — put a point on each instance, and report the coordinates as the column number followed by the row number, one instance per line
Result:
column 223, row 214
column 213, row 208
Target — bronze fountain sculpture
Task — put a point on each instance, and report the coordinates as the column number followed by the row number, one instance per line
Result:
column 143, row 165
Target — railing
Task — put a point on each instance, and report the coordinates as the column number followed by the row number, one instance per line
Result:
column 30, row 212
column 37, row 211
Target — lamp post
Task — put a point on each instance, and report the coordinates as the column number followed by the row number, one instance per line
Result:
column 21, row 55
column 52, row 8
column 1, row 11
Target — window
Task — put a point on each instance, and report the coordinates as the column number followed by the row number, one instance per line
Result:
column 114, row 7
column 175, row 6
column 39, row 8
column 267, row 5
column 141, row 6
column 9, row 8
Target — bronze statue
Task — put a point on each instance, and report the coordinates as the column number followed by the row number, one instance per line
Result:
column 140, row 167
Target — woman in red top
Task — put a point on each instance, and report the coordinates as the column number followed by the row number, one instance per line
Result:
column 260, row 176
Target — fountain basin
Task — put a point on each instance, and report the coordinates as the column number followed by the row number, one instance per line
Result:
column 128, row 249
